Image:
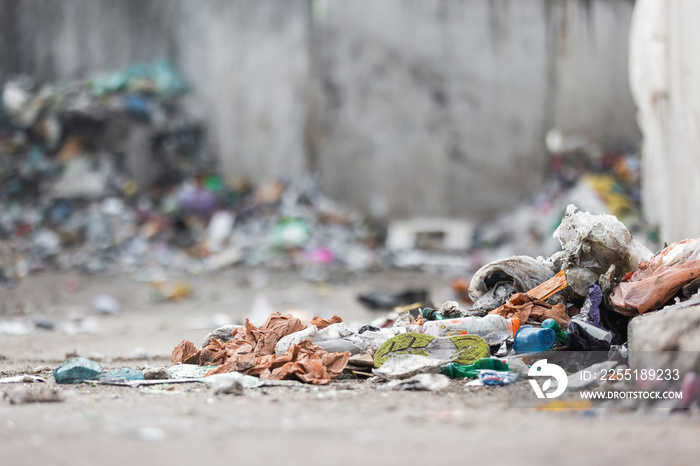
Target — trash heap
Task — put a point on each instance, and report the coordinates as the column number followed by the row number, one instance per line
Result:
column 112, row 174
column 599, row 183
column 578, row 302
column 603, row 315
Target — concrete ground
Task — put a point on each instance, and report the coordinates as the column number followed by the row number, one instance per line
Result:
column 346, row 422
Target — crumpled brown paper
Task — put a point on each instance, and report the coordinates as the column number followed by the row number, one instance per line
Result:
column 323, row 323
column 526, row 308
column 252, row 351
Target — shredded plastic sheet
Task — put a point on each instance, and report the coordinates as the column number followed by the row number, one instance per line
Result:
column 658, row 279
column 523, row 271
column 526, row 308
column 594, row 242
column 251, row 351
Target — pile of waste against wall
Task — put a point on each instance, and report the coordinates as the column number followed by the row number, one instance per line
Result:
column 603, row 294
column 112, row 174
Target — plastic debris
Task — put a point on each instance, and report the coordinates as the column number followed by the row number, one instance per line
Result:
column 21, row 379
column 188, row 371
column 468, row 348
column 529, row 339
column 492, row 328
column 658, row 279
column 562, row 336
column 402, row 366
column 387, row 300
column 471, row 371
column 592, row 244
column 15, row 328
column 590, row 311
column 521, row 272
column 77, row 370
column 105, row 304
column 497, row 378
column 583, row 336
column 31, row 395
column 124, row 373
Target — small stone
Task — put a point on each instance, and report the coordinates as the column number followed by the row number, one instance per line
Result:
column 77, row 370
column 156, row 373
column 223, row 334
column 227, row 385
column 123, row 373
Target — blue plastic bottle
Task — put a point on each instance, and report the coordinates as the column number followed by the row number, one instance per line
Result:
column 530, row 339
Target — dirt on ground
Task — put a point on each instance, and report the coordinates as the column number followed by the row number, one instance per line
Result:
column 345, row 422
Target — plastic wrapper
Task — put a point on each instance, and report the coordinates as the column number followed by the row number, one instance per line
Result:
column 594, row 242
column 658, row 279
column 523, row 272
column 586, row 337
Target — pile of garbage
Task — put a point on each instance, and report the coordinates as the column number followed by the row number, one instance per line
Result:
column 580, row 300
column 602, row 315
column 112, row 174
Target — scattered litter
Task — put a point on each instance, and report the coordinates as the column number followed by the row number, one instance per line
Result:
column 77, row 370
column 516, row 274
column 251, row 350
column 497, row 378
column 402, row 366
column 19, row 396
column 244, row 381
column 425, row 382
column 22, row 379
column 15, row 328
column 593, row 243
column 529, row 339
column 388, row 300
column 226, row 384
column 188, row 371
column 105, row 304
column 472, row 371
column 468, row 348
column 122, row 374
column 658, row 279
column 156, row 373
column 152, row 434
column 122, row 382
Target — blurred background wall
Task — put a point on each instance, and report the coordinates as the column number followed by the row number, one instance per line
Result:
column 402, row 107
